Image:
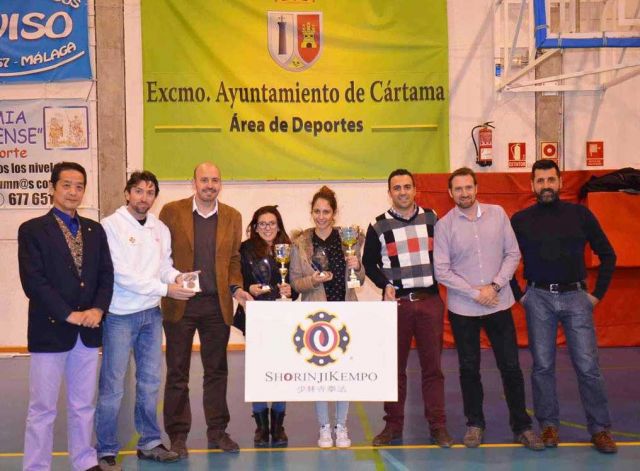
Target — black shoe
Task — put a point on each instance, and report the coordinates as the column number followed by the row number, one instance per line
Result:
column 278, row 436
column 261, row 437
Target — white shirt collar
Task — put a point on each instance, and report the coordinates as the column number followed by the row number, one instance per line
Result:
column 209, row 214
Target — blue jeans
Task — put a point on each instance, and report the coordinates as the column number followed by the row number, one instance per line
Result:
column 142, row 333
column 322, row 412
column 575, row 312
column 276, row 406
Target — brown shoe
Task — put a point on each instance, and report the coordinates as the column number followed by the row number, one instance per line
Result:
column 159, row 454
column 530, row 440
column 441, row 438
column 179, row 445
column 220, row 439
column 603, row 441
column 387, row 437
column 550, row 436
column 473, row 437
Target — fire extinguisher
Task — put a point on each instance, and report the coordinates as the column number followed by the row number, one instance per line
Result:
column 484, row 152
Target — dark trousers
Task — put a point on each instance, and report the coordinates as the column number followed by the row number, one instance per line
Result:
column 203, row 315
column 502, row 334
column 424, row 321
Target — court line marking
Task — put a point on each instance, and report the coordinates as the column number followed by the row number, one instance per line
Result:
column 353, row 448
column 367, row 455
column 394, row 462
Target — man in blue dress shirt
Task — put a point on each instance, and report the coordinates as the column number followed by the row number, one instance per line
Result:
column 476, row 254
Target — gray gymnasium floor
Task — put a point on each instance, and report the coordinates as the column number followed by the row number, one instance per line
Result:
column 621, row 367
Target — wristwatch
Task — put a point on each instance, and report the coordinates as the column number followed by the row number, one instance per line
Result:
column 496, row 287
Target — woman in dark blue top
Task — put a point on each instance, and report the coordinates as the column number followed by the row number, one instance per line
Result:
column 261, row 279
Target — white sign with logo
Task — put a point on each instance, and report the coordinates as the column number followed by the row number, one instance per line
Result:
column 328, row 351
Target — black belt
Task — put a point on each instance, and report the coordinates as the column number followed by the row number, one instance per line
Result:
column 559, row 287
column 415, row 294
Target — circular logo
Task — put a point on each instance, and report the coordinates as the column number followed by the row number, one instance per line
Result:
column 321, row 338
column 549, row 150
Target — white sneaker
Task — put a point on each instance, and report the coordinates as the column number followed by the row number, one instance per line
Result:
column 325, row 440
column 342, row 437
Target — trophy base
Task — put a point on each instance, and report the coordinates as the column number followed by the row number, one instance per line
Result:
column 284, row 299
column 353, row 284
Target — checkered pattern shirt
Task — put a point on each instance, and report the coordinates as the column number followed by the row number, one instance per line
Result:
column 400, row 251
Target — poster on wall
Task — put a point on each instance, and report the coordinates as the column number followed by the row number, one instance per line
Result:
column 278, row 90
column 34, row 136
column 44, row 41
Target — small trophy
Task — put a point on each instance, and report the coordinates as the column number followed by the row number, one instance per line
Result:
column 320, row 261
column 191, row 281
column 262, row 272
column 282, row 253
column 349, row 236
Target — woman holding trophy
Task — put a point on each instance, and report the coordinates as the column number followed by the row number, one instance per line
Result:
column 261, row 276
column 320, row 272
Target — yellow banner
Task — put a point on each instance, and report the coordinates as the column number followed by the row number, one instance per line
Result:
column 282, row 90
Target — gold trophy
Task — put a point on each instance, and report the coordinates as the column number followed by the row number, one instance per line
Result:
column 349, row 236
column 282, row 254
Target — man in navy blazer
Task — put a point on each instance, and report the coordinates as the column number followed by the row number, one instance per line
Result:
column 67, row 274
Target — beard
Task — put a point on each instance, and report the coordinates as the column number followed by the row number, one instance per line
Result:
column 141, row 209
column 465, row 203
column 547, row 196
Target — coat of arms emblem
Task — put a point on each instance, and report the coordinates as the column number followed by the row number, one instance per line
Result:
column 294, row 38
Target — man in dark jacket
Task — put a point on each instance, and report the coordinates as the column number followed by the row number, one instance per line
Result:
column 67, row 274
